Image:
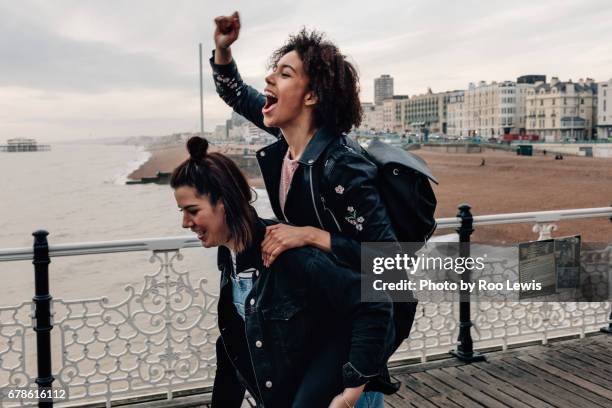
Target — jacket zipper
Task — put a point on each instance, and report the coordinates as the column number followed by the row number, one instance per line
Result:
column 331, row 213
column 314, row 203
column 283, row 207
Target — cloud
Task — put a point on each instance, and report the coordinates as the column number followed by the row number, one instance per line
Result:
column 121, row 68
column 37, row 58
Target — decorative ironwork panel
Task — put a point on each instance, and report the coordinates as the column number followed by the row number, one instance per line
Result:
column 161, row 337
column 16, row 370
column 505, row 322
column 433, row 331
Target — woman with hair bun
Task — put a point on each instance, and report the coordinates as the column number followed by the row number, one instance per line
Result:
column 315, row 180
column 274, row 319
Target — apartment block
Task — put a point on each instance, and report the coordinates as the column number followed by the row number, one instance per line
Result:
column 604, row 110
column 559, row 111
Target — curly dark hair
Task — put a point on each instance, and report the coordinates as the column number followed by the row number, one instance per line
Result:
column 332, row 78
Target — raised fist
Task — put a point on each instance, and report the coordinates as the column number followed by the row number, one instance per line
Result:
column 227, row 30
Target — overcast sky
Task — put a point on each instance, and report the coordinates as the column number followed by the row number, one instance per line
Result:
column 94, row 69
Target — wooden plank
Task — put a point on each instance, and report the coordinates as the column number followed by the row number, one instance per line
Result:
column 450, row 393
column 403, row 399
column 415, row 393
column 418, row 387
column 583, row 355
column 566, row 385
column 487, row 396
column 494, row 389
column 593, row 352
column 505, row 387
column 564, row 371
column 598, row 374
column 534, row 385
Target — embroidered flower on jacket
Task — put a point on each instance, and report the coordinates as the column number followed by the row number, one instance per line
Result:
column 352, row 218
column 339, row 189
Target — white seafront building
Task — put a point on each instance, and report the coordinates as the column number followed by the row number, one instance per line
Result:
column 604, row 110
column 497, row 108
column 562, row 111
column 392, row 113
column 455, row 110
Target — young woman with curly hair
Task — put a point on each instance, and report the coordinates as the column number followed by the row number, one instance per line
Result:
column 315, row 180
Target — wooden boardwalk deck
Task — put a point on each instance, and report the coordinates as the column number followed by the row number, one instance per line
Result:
column 573, row 373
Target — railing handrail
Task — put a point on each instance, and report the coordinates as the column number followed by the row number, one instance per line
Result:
column 188, row 241
column 534, row 216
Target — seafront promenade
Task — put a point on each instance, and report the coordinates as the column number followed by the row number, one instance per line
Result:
column 507, row 183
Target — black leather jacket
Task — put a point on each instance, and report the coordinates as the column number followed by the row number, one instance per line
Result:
column 292, row 308
column 338, row 195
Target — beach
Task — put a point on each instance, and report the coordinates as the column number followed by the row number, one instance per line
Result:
column 507, row 183
column 166, row 158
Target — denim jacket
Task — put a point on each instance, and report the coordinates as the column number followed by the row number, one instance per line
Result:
column 291, row 308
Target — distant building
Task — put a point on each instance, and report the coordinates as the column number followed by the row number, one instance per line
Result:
column 455, row 111
column 523, row 85
column 530, row 79
column 372, row 119
column 383, row 88
column 427, row 112
column 249, row 133
column 560, row 111
column 604, row 110
column 220, row 132
column 21, row 144
column 497, row 108
column 237, row 119
column 392, row 113
column 420, row 112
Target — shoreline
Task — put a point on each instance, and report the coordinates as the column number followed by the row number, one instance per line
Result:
column 166, row 158
column 507, row 183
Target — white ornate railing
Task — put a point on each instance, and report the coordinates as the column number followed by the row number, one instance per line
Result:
column 160, row 337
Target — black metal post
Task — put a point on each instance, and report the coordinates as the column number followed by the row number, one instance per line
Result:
column 608, row 329
column 465, row 350
column 42, row 303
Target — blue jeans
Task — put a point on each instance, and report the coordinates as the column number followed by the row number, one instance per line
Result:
column 371, row 399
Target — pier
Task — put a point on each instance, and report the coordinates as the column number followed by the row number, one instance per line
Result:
column 23, row 145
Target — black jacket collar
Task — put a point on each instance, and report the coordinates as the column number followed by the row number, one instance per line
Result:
column 321, row 139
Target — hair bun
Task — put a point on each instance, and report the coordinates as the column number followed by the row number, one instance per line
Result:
column 197, row 147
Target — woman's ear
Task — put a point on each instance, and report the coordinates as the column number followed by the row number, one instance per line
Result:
column 310, row 99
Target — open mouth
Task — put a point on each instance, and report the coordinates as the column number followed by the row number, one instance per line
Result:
column 271, row 101
column 201, row 234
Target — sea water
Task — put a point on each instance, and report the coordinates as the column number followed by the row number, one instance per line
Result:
column 78, row 194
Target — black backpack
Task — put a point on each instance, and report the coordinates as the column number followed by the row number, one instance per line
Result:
column 405, row 189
